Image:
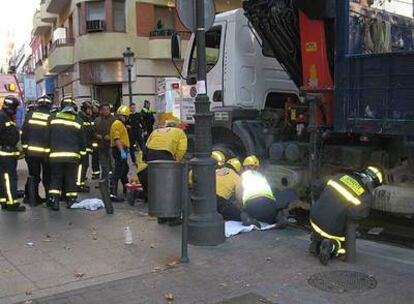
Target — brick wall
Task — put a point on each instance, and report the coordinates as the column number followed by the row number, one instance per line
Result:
column 177, row 22
column 145, row 19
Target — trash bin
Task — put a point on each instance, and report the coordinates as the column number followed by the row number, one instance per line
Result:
column 165, row 184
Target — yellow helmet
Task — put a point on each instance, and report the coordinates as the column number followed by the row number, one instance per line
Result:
column 123, row 110
column 251, row 160
column 376, row 175
column 219, row 157
column 235, row 164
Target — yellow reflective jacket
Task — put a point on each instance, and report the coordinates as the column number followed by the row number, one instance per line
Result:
column 119, row 132
column 255, row 185
column 172, row 140
column 141, row 164
column 228, row 183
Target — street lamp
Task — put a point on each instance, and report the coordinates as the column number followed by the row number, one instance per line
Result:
column 129, row 57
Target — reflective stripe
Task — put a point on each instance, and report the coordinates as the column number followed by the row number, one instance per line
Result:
column 25, row 146
column 65, row 123
column 10, row 123
column 37, row 122
column 2, row 153
column 340, row 251
column 377, row 173
column 344, row 192
column 89, row 150
column 8, row 189
column 64, row 154
column 79, row 179
column 326, row 235
column 41, row 116
column 38, row 149
column 95, row 145
column 71, row 194
column 3, row 200
column 54, row 191
column 83, row 153
column 96, row 172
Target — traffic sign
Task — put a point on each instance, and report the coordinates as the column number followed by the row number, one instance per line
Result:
column 187, row 13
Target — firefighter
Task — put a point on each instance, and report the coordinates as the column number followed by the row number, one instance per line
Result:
column 67, row 144
column 228, row 188
column 167, row 143
column 120, row 146
column 36, row 146
column 96, row 172
column 88, row 127
column 259, row 203
column 343, row 197
column 9, row 137
column 234, row 164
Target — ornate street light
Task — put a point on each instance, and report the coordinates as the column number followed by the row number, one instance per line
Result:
column 129, row 58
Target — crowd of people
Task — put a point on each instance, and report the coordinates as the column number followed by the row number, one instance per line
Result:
column 59, row 143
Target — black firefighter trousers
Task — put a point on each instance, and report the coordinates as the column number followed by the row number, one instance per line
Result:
column 40, row 170
column 63, row 179
column 8, row 180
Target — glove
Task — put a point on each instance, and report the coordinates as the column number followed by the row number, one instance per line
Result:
column 124, row 154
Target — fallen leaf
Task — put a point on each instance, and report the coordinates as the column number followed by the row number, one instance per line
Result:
column 66, row 247
column 172, row 264
column 152, row 246
column 156, row 268
column 169, row 296
column 94, row 238
column 223, row 285
column 268, row 259
column 48, row 235
column 79, row 275
column 30, row 244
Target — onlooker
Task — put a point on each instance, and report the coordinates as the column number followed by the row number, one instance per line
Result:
column 103, row 127
column 147, row 119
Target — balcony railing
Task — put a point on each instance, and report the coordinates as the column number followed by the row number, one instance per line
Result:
column 168, row 33
column 95, row 26
column 62, row 42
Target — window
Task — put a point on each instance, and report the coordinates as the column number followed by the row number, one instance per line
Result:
column 164, row 18
column 379, row 26
column 118, row 15
column 95, row 11
column 213, row 39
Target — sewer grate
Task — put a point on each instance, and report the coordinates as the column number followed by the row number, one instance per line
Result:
column 250, row 298
column 342, row 281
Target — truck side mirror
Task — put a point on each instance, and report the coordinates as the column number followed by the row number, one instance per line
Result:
column 218, row 95
column 175, row 47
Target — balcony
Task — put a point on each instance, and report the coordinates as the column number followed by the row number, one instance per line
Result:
column 159, row 46
column 40, row 27
column 45, row 16
column 56, row 6
column 61, row 55
column 93, row 26
column 41, row 69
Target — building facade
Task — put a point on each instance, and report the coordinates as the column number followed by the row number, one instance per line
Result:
column 77, row 47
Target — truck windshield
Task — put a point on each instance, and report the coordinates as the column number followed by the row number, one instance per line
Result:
column 377, row 27
column 213, row 38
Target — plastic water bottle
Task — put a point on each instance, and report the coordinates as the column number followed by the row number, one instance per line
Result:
column 128, row 236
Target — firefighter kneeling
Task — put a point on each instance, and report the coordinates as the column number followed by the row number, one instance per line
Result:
column 67, row 144
column 345, row 196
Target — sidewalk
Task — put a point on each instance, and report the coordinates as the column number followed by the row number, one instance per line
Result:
column 77, row 256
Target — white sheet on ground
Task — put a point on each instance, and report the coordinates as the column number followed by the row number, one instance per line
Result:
column 89, row 204
column 232, row 228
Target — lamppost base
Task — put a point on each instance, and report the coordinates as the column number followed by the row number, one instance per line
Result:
column 206, row 230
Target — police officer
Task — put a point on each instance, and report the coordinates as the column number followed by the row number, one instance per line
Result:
column 344, row 196
column 87, row 122
column 9, row 137
column 67, row 145
column 228, row 188
column 36, row 146
column 147, row 119
column 259, row 203
column 168, row 143
column 120, row 146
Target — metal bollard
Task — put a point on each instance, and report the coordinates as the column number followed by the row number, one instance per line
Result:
column 350, row 241
column 104, row 187
column 184, row 226
column 31, row 191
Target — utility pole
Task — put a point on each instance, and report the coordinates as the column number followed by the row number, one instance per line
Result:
column 205, row 225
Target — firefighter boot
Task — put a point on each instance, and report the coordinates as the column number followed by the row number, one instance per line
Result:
column 247, row 220
column 53, row 203
column 15, row 208
column 326, row 250
column 70, row 202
